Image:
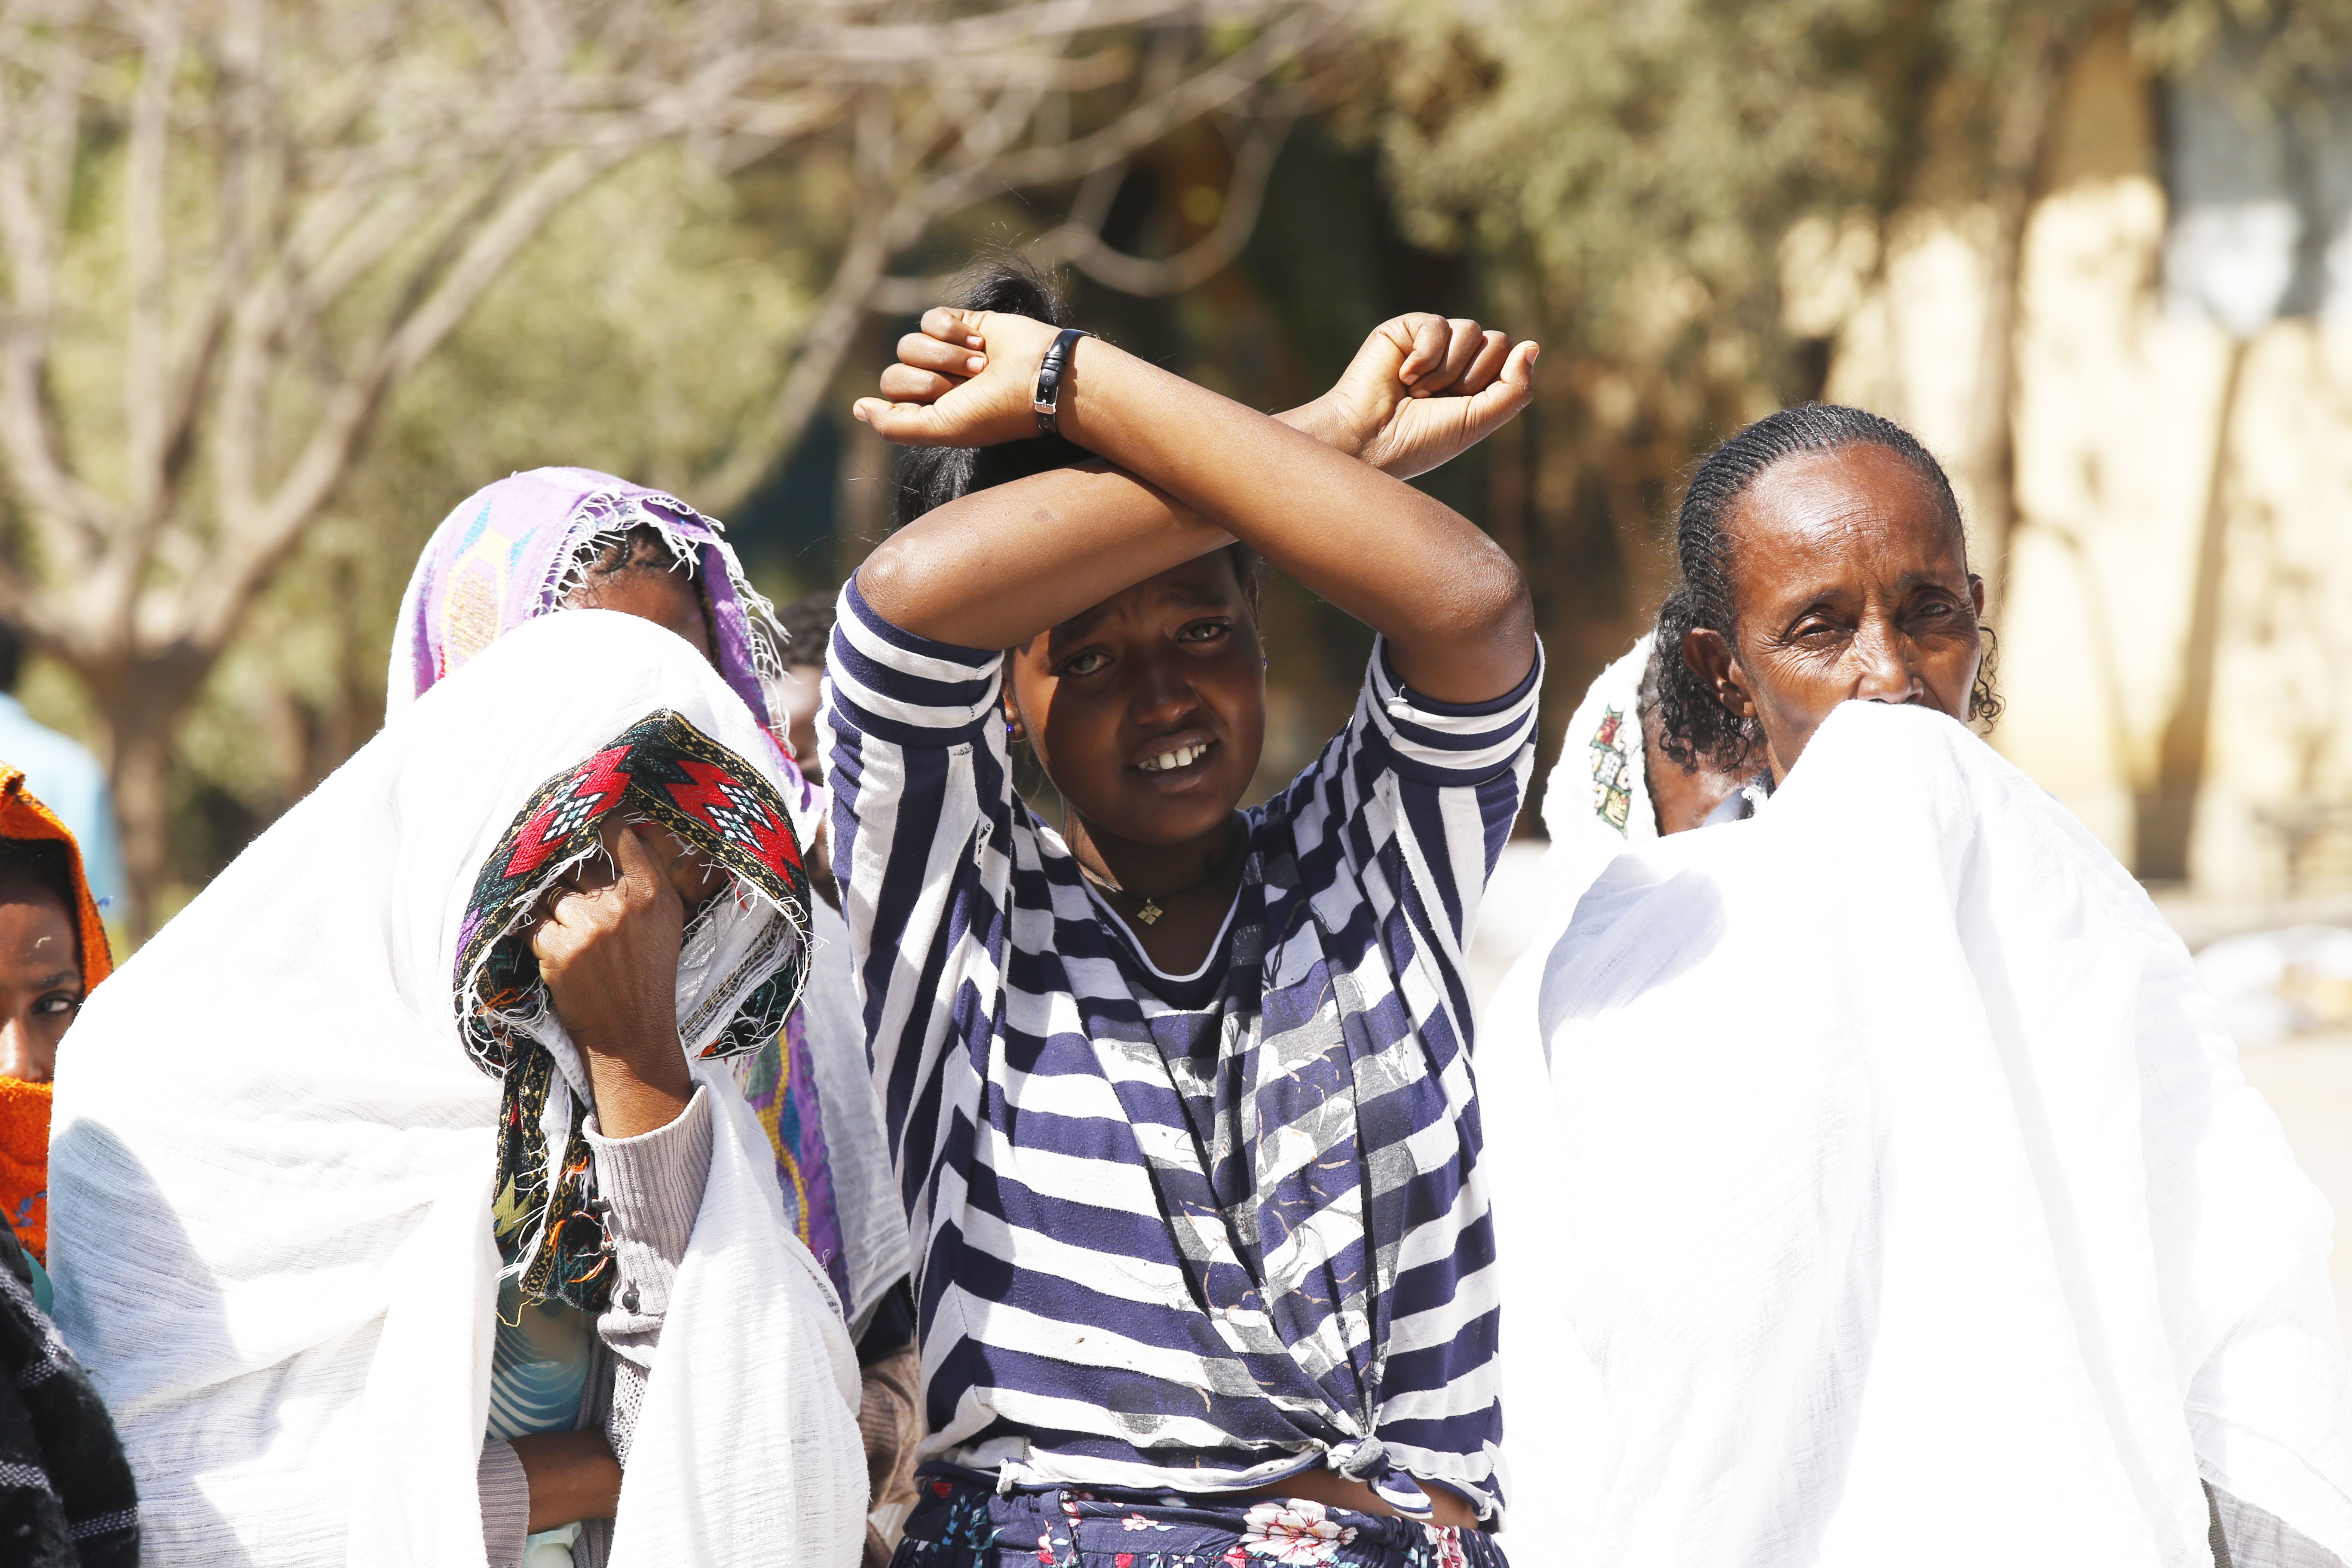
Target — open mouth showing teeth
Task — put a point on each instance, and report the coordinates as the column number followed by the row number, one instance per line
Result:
column 1182, row 757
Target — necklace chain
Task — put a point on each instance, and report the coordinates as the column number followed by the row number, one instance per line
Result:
column 1150, row 911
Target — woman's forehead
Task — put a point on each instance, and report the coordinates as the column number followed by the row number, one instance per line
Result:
column 36, row 932
column 1204, row 583
column 1860, row 511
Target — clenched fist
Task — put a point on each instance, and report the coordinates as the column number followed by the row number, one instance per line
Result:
column 965, row 380
column 1420, row 391
column 1424, row 389
column 608, row 949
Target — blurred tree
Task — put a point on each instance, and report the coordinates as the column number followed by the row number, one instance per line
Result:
column 230, row 234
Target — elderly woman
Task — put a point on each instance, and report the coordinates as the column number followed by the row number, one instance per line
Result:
column 1957, row 1233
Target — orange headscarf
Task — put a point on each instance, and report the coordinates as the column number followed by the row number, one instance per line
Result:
column 25, row 1106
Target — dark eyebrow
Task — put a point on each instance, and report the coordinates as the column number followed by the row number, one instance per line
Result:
column 1079, row 624
column 1085, row 621
column 63, row 977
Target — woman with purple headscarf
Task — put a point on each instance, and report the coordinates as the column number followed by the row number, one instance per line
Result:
column 555, row 539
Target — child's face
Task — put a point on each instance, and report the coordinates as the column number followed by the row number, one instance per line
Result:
column 40, row 981
column 1149, row 710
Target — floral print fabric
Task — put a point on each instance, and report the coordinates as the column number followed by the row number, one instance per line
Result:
column 961, row 1521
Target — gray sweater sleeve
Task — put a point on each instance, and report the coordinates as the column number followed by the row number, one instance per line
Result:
column 655, row 1183
column 506, row 1504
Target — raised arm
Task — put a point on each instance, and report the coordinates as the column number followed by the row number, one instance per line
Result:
column 1193, row 471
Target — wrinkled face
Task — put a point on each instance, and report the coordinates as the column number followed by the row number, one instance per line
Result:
column 1149, row 710
column 651, row 591
column 1850, row 581
column 796, row 694
column 40, row 981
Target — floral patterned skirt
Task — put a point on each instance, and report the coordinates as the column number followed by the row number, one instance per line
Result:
column 961, row 1521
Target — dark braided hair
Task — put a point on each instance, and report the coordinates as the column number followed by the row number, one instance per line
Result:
column 1001, row 279
column 1695, row 725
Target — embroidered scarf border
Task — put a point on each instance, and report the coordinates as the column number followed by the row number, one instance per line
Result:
column 661, row 769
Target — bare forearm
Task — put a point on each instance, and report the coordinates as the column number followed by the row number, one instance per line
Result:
column 639, row 1092
column 1450, row 602
column 573, row 1475
column 994, row 568
column 608, row 951
column 1310, row 490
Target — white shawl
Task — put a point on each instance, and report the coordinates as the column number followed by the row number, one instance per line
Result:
column 1893, row 1196
column 1597, row 797
column 272, row 1179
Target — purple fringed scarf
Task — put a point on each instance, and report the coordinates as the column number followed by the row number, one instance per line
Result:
column 505, row 554
column 510, row 552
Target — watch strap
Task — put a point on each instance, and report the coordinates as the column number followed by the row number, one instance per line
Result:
column 1047, row 400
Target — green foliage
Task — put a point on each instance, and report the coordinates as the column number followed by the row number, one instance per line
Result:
column 634, row 335
column 1626, row 171
column 2292, row 51
column 1626, row 175
column 1631, row 166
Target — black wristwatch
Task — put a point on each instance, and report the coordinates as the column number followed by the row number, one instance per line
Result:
column 1046, row 401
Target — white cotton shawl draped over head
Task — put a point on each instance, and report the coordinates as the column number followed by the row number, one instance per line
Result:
column 272, row 1179
column 1597, row 796
column 1895, row 1197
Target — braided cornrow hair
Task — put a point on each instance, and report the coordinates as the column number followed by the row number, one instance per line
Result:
column 1695, row 726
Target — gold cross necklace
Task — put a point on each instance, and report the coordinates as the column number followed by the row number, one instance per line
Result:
column 1150, row 910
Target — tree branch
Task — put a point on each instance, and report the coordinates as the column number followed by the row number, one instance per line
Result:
column 259, row 541
column 147, row 259
column 986, row 160
column 37, row 138
column 830, row 333
column 1081, row 241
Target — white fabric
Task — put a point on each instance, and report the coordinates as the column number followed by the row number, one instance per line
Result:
column 1586, row 830
column 272, row 1166
column 1600, row 748
column 865, row 1188
column 1515, row 1093
column 1893, row 1196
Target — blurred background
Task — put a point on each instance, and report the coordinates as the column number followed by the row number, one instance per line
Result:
column 283, row 282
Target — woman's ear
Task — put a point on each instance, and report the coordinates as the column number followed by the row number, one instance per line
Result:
column 1708, row 654
column 1015, row 727
column 1976, row 594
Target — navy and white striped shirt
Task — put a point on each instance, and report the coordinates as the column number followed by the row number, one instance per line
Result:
column 1198, row 1233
